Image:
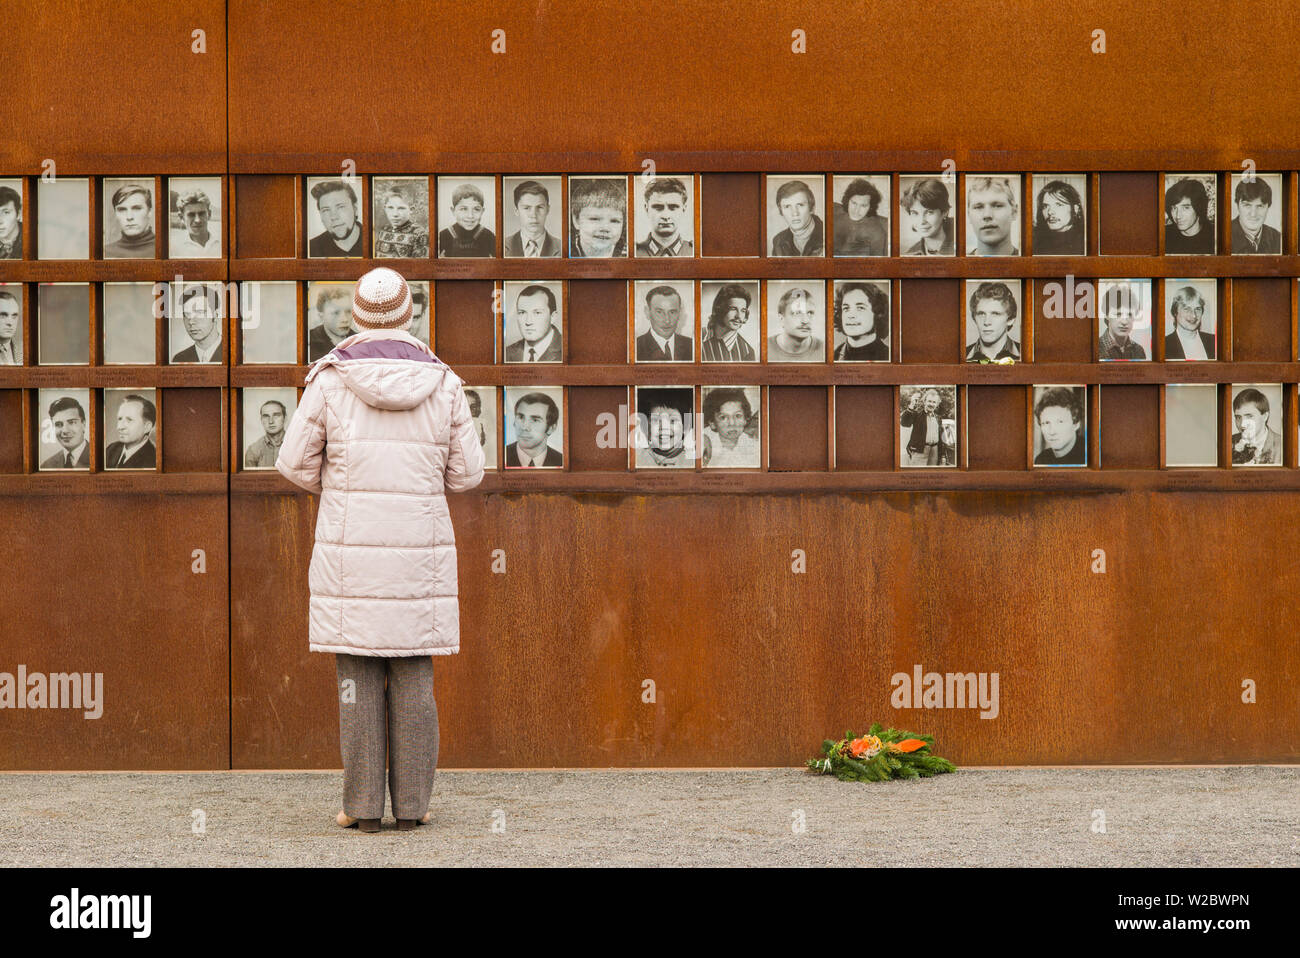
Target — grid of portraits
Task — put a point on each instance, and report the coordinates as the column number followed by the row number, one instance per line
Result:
column 797, row 319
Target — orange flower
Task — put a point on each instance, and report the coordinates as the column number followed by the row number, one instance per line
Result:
column 909, row 745
column 866, row 747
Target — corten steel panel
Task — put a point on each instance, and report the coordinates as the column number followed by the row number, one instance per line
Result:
column 754, row 664
column 264, row 216
column 1261, row 319
column 995, row 426
column 464, row 330
column 192, row 428
column 1064, row 337
column 1130, row 427
column 1132, row 211
column 107, row 586
column 597, row 321
column 11, row 430
column 864, row 427
column 587, row 431
column 797, row 428
column 114, row 88
column 931, row 317
column 730, row 205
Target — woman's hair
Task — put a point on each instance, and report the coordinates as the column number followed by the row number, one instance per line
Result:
column 717, row 398
column 930, row 193
column 722, row 301
column 875, row 296
column 1068, row 195
column 1194, row 192
column 1062, row 396
column 861, row 187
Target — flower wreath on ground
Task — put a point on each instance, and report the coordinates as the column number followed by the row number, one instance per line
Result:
column 880, row 755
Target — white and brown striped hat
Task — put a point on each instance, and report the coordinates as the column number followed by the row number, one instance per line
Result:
column 382, row 300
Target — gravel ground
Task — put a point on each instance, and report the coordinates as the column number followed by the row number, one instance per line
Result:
column 1221, row 816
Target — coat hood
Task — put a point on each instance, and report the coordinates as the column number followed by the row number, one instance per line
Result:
column 385, row 368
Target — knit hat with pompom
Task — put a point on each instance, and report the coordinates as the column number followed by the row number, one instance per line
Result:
column 382, row 300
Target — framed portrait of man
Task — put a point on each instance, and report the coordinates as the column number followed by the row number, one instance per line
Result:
column 467, row 217
column 1124, row 320
column 993, row 215
column 1256, row 214
column 11, row 218
column 483, row 411
column 196, row 329
column 1060, row 426
column 597, row 217
column 1191, row 319
column 927, row 215
column 267, row 327
column 1192, row 424
column 11, row 324
column 194, row 218
column 534, row 427
column 329, row 316
column 532, row 321
column 860, row 216
column 63, row 440
column 63, row 324
column 993, row 314
column 128, row 218
column 400, row 214
column 532, row 212
column 63, row 218
column 861, row 321
column 1060, row 222
column 795, row 207
column 130, row 322
column 664, row 321
column 1257, row 416
column 731, row 427
column 927, row 426
column 334, row 222
column 1191, row 201
column 266, row 414
column 421, row 301
column 796, row 321
column 665, row 427
column 131, row 433
column 663, row 214
column 730, row 311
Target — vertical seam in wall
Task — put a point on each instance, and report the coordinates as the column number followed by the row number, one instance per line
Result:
column 227, row 406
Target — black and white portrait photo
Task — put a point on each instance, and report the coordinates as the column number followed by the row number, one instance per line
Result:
column 1257, row 424
column 420, row 300
column 194, row 333
column 993, row 215
column 266, row 411
column 63, row 218
column 128, row 219
column 532, row 321
column 400, row 214
column 268, row 311
column 664, row 215
column 130, row 429
column 926, row 218
column 1256, row 214
column 534, row 427
column 665, row 427
column 467, row 216
column 927, row 426
column 1124, row 319
column 796, row 321
column 664, row 326
column 1060, row 426
column 194, row 217
column 1190, row 203
column 1060, row 214
column 730, row 314
column 63, row 324
column 129, row 321
column 534, row 220
column 329, row 317
column 993, row 311
column 795, row 225
column 1192, row 424
column 1191, row 319
column 11, row 324
column 731, row 417
column 11, row 219
column 860, row 217
column 597, row 216
column 861, row 321
column 334, row 226
column 483, row 411
column 64, row 438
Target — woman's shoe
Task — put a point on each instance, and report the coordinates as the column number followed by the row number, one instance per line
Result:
column 368, row 824
column 408, row 824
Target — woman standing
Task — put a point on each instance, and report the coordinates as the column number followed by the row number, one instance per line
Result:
column 382, row 431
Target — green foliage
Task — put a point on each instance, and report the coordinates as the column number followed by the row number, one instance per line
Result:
column 837, row 760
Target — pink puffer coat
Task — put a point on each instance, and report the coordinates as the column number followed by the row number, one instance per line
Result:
column 383, row 428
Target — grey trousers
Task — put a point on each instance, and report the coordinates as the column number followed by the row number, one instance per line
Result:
column 387, row 714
